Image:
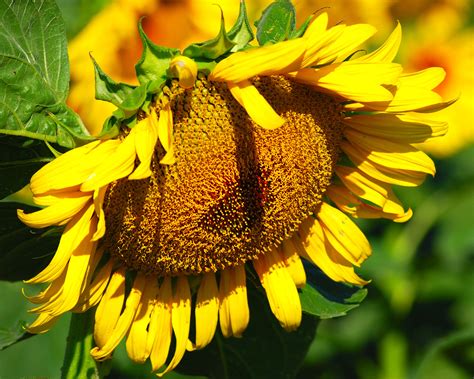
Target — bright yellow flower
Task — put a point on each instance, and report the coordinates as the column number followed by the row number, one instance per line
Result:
column 248, row 167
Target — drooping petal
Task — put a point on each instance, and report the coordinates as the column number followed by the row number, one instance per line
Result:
column 293, row 262
column 146, row 136
column 233, row 305
column 390, row 154
column 99, row 196
column 71, row 239
column 280, row 288
column 407, row 128
column 108, row 311
column 387, row 52
column 58, row 174
column 206, row 311
column 43, row 323
column 181, row 320
column 138, row 344
column 124, row 322
column 275, row 59
column 161, row 322
column 312, row 246
column 56, row 214
column 357, row 81
column 118, row 164
column 343, row 234
column 256, row 105
column 370, row 189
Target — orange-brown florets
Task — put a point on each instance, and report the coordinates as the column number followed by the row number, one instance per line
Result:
column 236, row 189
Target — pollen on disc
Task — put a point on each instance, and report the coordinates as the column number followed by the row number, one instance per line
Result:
column 236, row 189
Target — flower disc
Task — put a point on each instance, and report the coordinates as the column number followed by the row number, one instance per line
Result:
column 236, row 189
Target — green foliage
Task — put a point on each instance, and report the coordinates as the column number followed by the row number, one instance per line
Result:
column 241, row 33
column 154, row 62
column 9, row 337
column 213, row 48
column 34, row 78
column 324, row 298
column 277, row 23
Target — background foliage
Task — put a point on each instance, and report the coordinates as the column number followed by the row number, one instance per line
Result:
column 417, row 320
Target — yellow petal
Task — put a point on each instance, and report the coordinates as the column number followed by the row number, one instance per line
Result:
column 93, row 293
column 165, row 126
column 76, row 231
column 99, row 196
column 256, row 105
column 146, row 135
column 344, row 235
column 387, row 52
column 275, row 59
column 49, row 292
column 73, row 167
column 345, row 44
column 233, row 305
column 311, row 245
column 280, row 289
column 293, row 263
column 55, row 214
column 206, row 310
column 124, row 322
column 181, row 320
column 42, row 324
column 349, row 203
column 391, row 154
column 161, row 322
column 429, row 78
column 397, row 176
column 407, row 128
column 108, row 311
column 370, row 189
column 138, row 344
column 358, row 81
column 316, row 47
column 117, row 165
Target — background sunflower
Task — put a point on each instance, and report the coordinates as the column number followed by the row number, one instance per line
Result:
column 418, row 319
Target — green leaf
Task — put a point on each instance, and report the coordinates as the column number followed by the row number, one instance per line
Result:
column 19, row 160
column 9, row 337
column 266, row 350
column 34, row 78
column 154, row 62
column 24, row 252
column 213, row 48
column 325, row 298
column 107, row 89
column 297, row 33
column 78, row 362
column 241, row 33
column 277, row 22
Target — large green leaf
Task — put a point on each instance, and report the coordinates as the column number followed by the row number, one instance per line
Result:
column 23, row 251
column 277, row 23
column 266, row 350
column 34, row 79
column 11, row 336
column 325, row 298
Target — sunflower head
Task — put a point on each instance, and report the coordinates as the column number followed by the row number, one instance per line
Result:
column 230, row 157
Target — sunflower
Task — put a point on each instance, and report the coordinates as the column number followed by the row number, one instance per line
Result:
column 236, row 159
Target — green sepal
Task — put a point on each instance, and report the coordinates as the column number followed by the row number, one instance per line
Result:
column 297, row 33
column 241, row 33
column 277, row 23
column 212, row 49
column 110, row 129
column 324, row 298
column 154, row 62
column 107, row 89
column 132, row 103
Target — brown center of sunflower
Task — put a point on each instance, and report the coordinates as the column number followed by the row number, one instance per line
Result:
column 235, row 190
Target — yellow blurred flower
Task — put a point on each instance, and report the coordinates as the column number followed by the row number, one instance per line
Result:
column 438, row 39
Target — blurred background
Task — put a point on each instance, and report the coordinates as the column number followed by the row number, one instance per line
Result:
column 418, row 318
